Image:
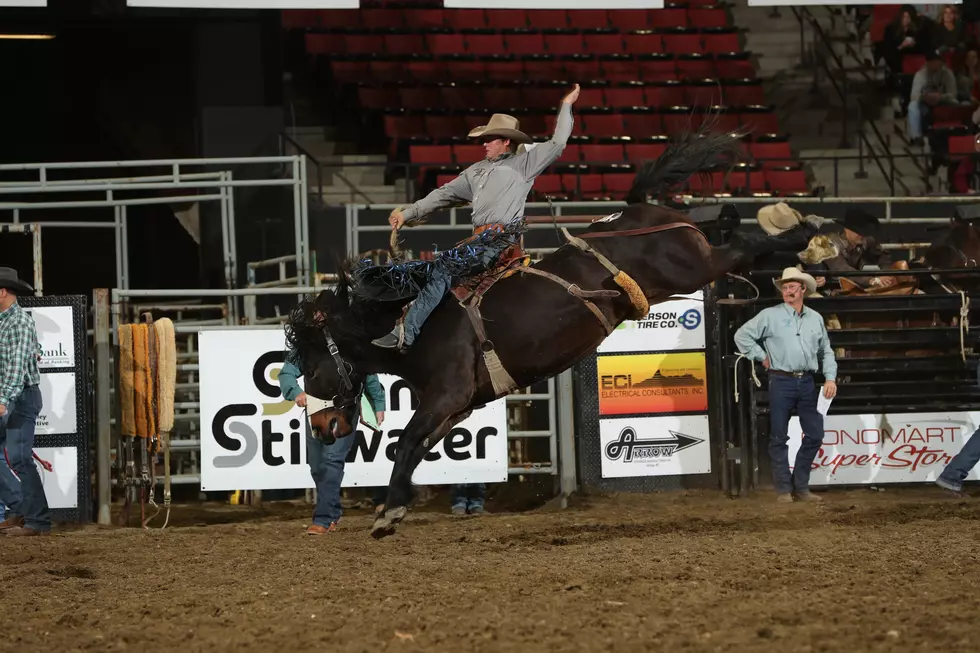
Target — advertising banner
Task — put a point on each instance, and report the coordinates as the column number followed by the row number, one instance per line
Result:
column 642, row 384
column 886, row 448
column 673, row 325
column 655, row 446
column 253, row 439
column 55, row 334
column 59, row 406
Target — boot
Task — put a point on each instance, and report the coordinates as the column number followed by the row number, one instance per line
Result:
column 393, row 340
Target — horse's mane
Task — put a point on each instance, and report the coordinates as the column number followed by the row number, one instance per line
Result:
column 689, row 152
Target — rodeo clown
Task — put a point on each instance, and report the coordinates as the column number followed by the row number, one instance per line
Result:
column 326, row 461
column 497, row 187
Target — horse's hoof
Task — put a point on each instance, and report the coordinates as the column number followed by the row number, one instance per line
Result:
column 382, row 530
column 396, row 514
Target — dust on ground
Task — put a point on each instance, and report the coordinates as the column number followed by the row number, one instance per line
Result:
column 861, row 571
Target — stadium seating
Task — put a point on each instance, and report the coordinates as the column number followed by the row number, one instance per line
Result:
column 431, row 74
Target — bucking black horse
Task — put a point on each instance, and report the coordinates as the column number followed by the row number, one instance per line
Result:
column 530, row 325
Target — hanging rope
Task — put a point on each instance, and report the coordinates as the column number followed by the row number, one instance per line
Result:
column 755, row 378
column 964, row 323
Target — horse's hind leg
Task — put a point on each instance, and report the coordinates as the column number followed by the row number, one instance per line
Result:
column 415, row 442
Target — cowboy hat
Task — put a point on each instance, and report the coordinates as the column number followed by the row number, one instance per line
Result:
column 10, row 281
column 502, row 126
column 794, row 274
column 777, row 218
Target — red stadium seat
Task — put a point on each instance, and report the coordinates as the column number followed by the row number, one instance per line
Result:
column 721, row 43
column 603, row 43
column 779, row 152
column 507, row 19
column 548, row 18
column 464, row 155
column 629, row 20
column 525, row 44
column 682, row 43
column 660, row 18
column 585, row 19
column 642, row 126
column 644, row 44
column 702, row 18
column 485, row 44
column 787, row 182
column 639, row 152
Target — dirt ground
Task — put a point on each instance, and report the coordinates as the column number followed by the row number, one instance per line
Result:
column 863, row 571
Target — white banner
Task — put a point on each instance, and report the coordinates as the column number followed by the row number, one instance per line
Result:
column 554, row 4
column 655, row 446
column 58, row 407
column 252, row 439
column 886, row 448
column 61, row 483
column 249, row 4
column 23, row 3
column 673, row 325
column 56, row 335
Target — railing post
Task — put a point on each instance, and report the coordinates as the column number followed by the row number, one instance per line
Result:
column 861, row 172
column 103, row 442
column 567, row 464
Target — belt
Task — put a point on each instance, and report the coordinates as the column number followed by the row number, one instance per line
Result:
column 797, row 375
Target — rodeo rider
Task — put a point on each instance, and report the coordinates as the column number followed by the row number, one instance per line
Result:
column 497, row 187
column 326, row 461
column 20, row 403
column 791, row 342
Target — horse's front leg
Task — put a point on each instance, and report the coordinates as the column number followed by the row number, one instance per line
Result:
column 415, row 442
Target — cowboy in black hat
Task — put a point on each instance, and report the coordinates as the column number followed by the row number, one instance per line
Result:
column 20, row 403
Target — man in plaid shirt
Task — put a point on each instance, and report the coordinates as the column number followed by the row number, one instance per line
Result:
column 20, row 403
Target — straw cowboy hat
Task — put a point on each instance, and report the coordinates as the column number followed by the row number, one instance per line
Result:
column 793, row 274
column 777, row 218
column 502, row 126
column 10, row 281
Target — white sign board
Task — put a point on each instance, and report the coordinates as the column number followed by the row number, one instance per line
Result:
column 58, row 407
column 669, row 326
column 248, row 4
column 886, row 448
column 554, row 4
column 56, row 335
column 252, row 439
column 60, row 482
column 655, row 446
column 23, row 3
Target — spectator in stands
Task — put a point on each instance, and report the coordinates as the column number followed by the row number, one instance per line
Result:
column 20, row 403
column 907, row 34
column 326, row 460
column 790, row 340
column 949, row 34
column 933, row 85
column 968, row 78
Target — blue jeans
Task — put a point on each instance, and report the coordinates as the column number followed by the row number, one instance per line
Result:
column 23, row 497
column 963, row 462
column 438, row 285
column 785, row 394
column 326, row 463
column 469, row 495
column 916, row 110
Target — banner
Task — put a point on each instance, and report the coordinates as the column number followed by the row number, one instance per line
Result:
column 886, row 448
column 642, row 384
column 55, row 333
column 655, row 446
column 23, row 3
column 59, row 414
column 248, row 4
column 253, row 439
column 554, row 4
column 677, row 324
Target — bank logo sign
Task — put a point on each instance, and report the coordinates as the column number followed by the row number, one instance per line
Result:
column 668, row 326
column 655, row 446
column 55, row 334
column 252, row 438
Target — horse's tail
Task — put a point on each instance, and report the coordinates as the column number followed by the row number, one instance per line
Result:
column 688, row 153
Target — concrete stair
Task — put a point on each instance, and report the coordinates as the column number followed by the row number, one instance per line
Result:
column 345, row 178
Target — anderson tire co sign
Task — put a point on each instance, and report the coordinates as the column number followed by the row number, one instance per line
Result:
column 251, row 438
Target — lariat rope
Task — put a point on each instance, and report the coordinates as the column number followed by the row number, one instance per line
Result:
column 755, row 378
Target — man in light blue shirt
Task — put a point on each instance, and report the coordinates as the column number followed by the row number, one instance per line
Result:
column 791, row 342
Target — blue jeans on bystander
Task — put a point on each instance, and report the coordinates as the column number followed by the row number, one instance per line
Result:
column 469, row 496
column 23, row 494
column 326, row 463
column 960, row 466
column 785, row 394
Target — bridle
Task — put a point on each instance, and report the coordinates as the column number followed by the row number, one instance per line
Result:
column 349, row 397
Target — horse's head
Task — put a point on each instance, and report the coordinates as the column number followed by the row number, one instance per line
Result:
column 333, row 387
column 958, row 246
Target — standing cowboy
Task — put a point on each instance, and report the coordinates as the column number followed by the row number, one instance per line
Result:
column 20, row 403
column 326, row 461
column 791, row 342
column 497, row 187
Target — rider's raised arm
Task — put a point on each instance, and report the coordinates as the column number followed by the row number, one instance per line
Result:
column 458, row 191
column 538, row 158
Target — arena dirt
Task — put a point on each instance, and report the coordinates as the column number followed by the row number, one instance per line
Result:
column 863, row 571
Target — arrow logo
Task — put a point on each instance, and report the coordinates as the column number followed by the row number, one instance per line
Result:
column 628, row 445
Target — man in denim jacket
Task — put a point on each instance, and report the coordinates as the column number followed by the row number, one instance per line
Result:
column 326, row 461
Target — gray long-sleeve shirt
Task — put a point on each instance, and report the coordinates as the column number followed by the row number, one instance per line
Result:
column 498, row 189
column 942, row 81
